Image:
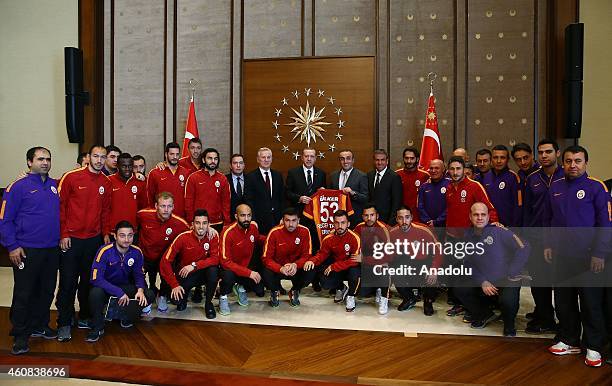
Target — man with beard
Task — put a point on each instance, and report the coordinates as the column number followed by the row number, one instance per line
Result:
column 110, row 165
column 288, row 246
column 237, row 272
column 208, row 189
column 157, row 228
column 503, row 187
column 431, row 201
column 412, row 179
column 336, row 256
column 198, row 258
column 371, row 230
column 85, row 205
column 170, row 179
column 30, row 209
column 193, row 162
column 129, row 195
column 140, row 167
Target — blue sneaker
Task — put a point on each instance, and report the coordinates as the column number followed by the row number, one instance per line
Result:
column 240, row 292
column 224, row 308
column 84, row 324
column 162, row 304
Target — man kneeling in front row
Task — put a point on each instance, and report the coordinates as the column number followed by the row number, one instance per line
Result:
column 117, row 271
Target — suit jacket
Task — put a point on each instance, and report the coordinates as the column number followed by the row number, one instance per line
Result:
column 267, row 210
column 358, row 181
column 387, row 196
column 297, row 186
column 235, row 200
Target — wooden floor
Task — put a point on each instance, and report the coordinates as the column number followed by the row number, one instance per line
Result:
column 229, row 351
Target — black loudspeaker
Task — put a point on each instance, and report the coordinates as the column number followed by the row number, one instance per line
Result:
column 572, row 86
column 76, row 98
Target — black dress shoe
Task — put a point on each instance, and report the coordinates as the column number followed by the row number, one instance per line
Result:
column 535, row 327
column 20, row 346
column 197, row 295
column 316, row 286
column 182, row 305
column 428, row 308
column 406, row 304
column 209, row 309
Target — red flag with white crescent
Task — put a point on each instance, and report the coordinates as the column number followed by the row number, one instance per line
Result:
column 191, row 128
column 432, row 145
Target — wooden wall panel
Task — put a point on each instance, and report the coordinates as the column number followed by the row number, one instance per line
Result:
column 204, row 53
column 272, row 28
column 349, row 81
column 139, row 78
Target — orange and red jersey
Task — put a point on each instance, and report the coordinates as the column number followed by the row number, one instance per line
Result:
column 210, row 192
column 168, row 181
column 424, row 243
column 237, row 245
column 378, row 233
column 459, row 200
column 325, row 202
column 189, row 249
column 188, row 164
column 155, row 235
column 85, row 204
column 284, row 247
column 411, row 182
column 340, row 249
column 127, row 198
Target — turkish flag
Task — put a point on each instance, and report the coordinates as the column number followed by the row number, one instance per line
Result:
column 432, row 146
column 191, row 128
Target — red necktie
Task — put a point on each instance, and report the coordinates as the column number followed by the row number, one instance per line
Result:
column 268, row 187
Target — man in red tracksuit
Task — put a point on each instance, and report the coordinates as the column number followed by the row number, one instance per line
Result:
column 129, row 194
column 85, row 202
column 208, row 189
column 193, row 161
column 171, row 179
column 337, row 256
column 237, row 244
column 371, row 230
column 157, row 228
column 198, row 257
column 461, row 193
column 412, row 179
column 288, row 246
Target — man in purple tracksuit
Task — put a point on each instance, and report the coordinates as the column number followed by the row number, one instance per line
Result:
column 582, row 204
column 536, row 215
column 117, row 271
column 523, row 157
column 431, row 200
column 496, row 270
column 30, row 230
column 503, row 187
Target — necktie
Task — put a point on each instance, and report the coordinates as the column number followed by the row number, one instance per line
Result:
column 309, row 180
column 268, row 187
column 342, row 180
column 239, row 187
column 377, row 180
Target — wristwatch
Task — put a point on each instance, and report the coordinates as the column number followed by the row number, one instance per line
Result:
column 193, row 264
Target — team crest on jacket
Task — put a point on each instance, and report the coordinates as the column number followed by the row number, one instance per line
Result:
column 297, row 240
column 443, row 190
column 252, row 238
column 134, row 189
column 130, row 262
column 502, row 185
column 54, row 190
column 101, row 190
column 464, row 193
column 580, row 194
column 347, row 247
column 417, row 183
column 488, row 240
column 206, row 246
column 168, row 231
column 217, row 184
column 181, row 178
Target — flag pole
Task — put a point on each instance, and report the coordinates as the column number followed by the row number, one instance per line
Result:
column 192, row 83
column 431, row 77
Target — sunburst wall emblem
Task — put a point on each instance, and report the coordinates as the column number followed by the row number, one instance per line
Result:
column 311, row 122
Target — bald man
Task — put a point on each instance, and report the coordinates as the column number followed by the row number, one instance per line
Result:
column 432, row 196
column 461, row 152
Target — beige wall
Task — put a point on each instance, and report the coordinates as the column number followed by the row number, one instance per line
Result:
column 597, row 99
column 33, row 34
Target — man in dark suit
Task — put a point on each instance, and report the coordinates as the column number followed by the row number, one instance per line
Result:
column 236, row 179
column 265, row 192
column 353, row 182
column 385, row 187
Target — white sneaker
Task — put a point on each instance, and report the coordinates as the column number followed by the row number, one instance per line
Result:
column 383, row 306
column 378, row 295
column 563, row 349
column 593, row 358
column 224, row 308
column 350, row 303
column 162, row 304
